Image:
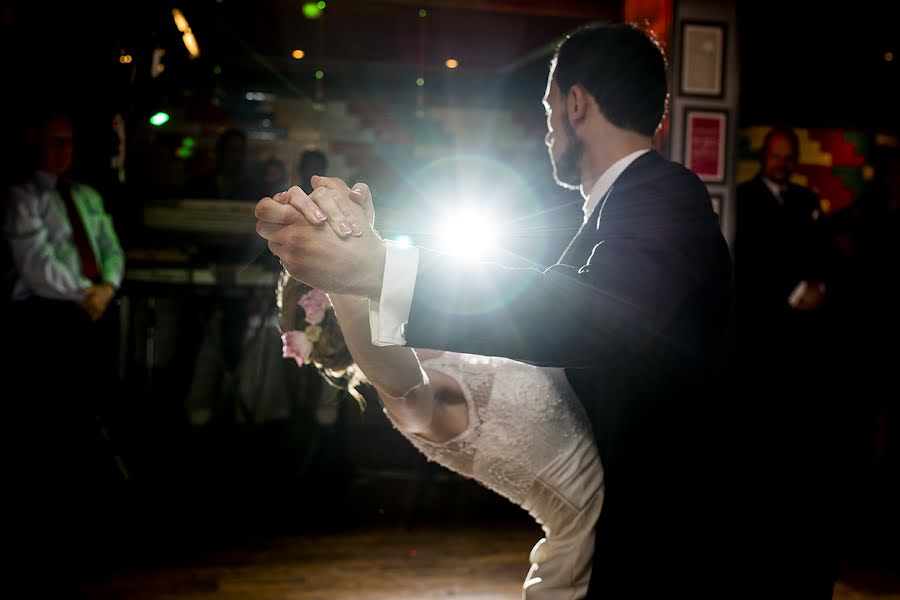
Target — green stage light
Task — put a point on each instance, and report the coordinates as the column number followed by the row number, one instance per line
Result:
column 159, row 118
column 311, row 10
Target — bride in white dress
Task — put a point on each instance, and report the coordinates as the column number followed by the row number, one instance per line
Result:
column 517, row 429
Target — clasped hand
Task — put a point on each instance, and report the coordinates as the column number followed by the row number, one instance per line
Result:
column 325, row 239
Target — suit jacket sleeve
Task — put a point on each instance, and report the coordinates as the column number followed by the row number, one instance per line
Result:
column 633, row 293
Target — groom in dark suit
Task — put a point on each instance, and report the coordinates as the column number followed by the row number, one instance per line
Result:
column 634, row 310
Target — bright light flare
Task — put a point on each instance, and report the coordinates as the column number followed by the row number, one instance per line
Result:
column 402, row 240
column 468, row 234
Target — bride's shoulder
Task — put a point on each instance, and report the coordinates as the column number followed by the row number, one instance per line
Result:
column 511, row 373
column 466, row 366
column 477, row 364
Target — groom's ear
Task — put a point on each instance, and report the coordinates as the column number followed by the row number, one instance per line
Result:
column 577, row 104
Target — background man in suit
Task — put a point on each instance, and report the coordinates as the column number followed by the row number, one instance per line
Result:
column 785, row 259
column 634, row 310
column 783, row 255
column 312, row 162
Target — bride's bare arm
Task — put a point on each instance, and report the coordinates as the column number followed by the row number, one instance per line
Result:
column 421, row 401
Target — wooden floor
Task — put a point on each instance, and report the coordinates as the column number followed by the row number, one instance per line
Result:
column 180, row 547
column 380, row 564
column 385, row 541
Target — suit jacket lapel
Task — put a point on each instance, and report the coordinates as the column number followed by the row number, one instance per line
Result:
column 571, row 255
column 564, row 258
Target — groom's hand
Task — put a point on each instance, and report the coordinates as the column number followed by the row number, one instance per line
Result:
column 359, row 193
column 332, row 204
column 335, row 208
column 315, row 255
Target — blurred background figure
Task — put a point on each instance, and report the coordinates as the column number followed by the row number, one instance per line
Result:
column 63, row 337
column 785, row 262
column 67, row 256
column 273, row 177
column 784, row 266
column 312, row 162
column 782, row 247
column 229, row 180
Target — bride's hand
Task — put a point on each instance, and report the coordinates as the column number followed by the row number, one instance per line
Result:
column 329, row 205
column 359, row 194
column 331, row 200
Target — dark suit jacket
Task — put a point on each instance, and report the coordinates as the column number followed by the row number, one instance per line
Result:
column 635, row 311
column 776, row 246
column 791, row 401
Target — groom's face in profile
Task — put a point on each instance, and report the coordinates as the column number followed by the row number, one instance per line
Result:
column 563, row 145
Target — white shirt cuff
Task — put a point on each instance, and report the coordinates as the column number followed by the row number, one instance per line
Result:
column 388, row 316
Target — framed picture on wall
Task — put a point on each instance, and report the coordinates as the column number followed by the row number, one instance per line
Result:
column 702, row 59
column 705, row 138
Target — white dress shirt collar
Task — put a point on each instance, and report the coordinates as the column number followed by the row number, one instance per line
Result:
column 777, row 189
column 607, row 180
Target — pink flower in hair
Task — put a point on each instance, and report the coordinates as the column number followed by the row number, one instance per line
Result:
column 296, row 345
column 315, row 303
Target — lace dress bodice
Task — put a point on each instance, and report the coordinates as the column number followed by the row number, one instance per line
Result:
column 528, row 439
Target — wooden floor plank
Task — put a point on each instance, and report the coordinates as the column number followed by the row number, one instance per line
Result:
column 434, row 562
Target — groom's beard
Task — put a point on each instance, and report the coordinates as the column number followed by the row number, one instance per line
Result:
column 567, row 168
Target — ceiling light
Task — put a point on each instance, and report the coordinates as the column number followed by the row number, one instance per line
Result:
column 187, row 36
column 180, row 22
column 190, row 42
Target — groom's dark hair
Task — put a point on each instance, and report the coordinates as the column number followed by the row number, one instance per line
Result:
column 622, row 67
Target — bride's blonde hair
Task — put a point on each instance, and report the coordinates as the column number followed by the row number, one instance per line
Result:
column 329, row 354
